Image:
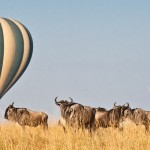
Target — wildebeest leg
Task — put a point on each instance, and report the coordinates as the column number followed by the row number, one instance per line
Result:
column 59, row 123
column 23, row 127
column 45, row 126
column 44, row 122
column 90, row 127
column 87, row 128
column 146, row 126
column 95, row 126
column 121, row 124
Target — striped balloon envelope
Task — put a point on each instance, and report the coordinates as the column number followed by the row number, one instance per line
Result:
column 16, row 47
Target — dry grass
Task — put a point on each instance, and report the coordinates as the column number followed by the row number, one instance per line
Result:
column 12, row 137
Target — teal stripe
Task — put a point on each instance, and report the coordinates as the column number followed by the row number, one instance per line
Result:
column 1, row 49
column 18, row 52
column 29, row 58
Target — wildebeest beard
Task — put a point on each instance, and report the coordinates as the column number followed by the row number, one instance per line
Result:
column 6, row 116
column 66, row 111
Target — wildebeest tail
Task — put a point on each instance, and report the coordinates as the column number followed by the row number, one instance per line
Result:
column 45, row 118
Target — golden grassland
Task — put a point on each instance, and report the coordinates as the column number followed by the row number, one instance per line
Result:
column 13, row 137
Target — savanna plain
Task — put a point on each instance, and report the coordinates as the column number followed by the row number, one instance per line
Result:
column 13, row 137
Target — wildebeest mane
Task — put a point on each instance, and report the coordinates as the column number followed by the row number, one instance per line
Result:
column 101, row 109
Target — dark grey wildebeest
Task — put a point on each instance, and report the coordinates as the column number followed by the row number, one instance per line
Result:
column 138, row 116
column 75, row 115
column 109, row 118
column 26, row 117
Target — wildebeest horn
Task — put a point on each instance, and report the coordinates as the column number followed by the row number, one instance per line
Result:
column 127, row 104
column 56, row 100
column 115, row 104
column 11, row 105
column 71, row 99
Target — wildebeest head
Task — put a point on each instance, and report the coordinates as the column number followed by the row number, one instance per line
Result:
column 116, row 110
column 65, row 106
column 10, row 112
column 126, row 111
column 116, row 106
column 137, row 115
column 64, row 102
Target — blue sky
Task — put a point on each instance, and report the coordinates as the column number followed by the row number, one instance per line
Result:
column 96, row 52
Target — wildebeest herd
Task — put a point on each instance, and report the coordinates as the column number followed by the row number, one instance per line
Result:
column 78, row 116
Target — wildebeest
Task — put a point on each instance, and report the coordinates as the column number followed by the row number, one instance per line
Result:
column 100, row 117
column 75, row 115
column 138, row 116
column 109, row 118
column 25, row 117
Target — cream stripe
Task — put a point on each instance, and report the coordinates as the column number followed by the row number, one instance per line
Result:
column 25, row 53
column 9, row 52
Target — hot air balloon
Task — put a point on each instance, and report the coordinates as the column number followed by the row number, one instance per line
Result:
column 16, row 47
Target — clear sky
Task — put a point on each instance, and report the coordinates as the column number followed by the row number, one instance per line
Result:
column 96, row 52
